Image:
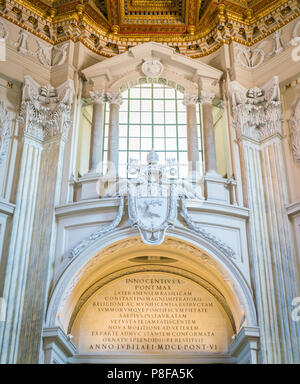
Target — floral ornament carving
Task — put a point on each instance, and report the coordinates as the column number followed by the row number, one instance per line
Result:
column 152, row 68
column 49, row 55
column 295, row 132
column 250, row 58
column 256, row 111
column 46, row 111
column 22, row 43
column 205, row 234
column 5, row 130
column 100, row 232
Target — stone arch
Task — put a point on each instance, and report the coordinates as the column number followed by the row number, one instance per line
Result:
column 112, row 249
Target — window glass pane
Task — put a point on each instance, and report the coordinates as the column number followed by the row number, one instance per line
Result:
column 125, row 94
column 170, row 105
column 171, row 144
column 134, row 130
column 158, row 105
column 123, row 171
column 134, row 144
column 123, row 130
column 146, row 131
column 135, row 93
column 182, row 131
column 144, row 158
column 181, row 118
column 183, row 171
column 123, row 117
column 146, row 118
column 146, row 105
column 134, row 117
column 183, row 159
column 158, row 118
column 152, row 116
column 123, row 143
column 171, row 131
column 124, row 106
column 123, row 158
column 169, row 93
column 158, row 93
column 159, row 131
column 170, row 117
column 182, row 144
column 135, row 105
column 146, row 143
column 159, row 144
column 180, row 106
column 146, row 93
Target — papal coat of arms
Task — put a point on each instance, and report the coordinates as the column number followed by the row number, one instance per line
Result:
column 152, row 202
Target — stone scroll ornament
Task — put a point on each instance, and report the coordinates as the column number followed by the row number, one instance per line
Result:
column 100, row 232
column 203, row 233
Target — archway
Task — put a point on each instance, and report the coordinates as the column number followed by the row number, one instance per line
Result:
column 192, row 265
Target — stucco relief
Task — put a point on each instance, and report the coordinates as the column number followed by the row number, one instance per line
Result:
column 295, row 132
column 256, row 111
column 5, row 130
column 46, row 111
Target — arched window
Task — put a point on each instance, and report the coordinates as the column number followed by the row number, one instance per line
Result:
column 152, row 116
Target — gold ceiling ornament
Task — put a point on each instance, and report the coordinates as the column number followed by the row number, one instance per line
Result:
column 195, row 28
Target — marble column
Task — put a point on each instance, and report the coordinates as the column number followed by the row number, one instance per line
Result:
column 97, row 130
column 257, row 121
column 115, row 101
column 45, row 120
column 191, row 101
column 210, row 155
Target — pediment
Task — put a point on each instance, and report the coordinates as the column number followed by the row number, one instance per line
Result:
column 129, row 64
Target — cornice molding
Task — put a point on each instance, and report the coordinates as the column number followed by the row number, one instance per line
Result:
column 224, row 25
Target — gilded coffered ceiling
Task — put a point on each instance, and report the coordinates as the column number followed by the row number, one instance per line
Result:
column 192, row 27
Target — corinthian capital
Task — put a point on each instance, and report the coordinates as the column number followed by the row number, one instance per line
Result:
column 98, row 96
column 206, row 97
column 114, row 98
column 46, row 111
column 256, row 111
column 190, row 100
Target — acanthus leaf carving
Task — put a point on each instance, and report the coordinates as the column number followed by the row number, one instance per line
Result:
column 250, row 58
column 256, row 111
column 49, row 55
column 45, row 110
